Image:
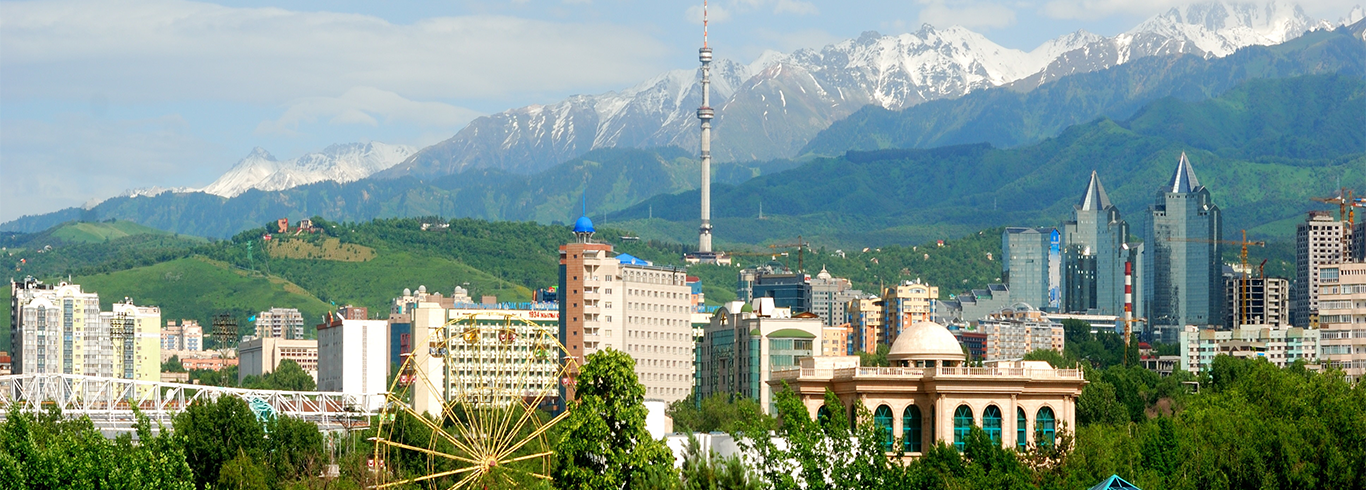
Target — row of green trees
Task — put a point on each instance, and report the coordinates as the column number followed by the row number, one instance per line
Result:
column 1250, row 425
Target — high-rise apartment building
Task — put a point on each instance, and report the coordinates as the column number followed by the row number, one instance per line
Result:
column 1256, row 301
column 865, row 320
column 1320, row 240
column 830, row 296
column 905, row 304
column 184, row 336
column 136, row 335
column 1094, row 254
column 628, row 304
column 1342, row 317
column 61, row 330
column 280, row 323
column 1030, row 265
column 1182, row 269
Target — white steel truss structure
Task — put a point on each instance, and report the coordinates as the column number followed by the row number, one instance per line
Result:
column 109, row 402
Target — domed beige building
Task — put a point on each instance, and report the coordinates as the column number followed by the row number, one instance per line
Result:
column 929, row 395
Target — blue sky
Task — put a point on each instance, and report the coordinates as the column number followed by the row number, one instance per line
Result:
column 97, row 97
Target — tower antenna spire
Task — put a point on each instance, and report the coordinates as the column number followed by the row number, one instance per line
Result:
column 705, row 115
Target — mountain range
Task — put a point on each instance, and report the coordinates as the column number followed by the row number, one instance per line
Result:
column 341, row 163
column 772, row 107
column 617, row 178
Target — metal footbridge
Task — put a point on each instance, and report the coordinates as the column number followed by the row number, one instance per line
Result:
column 109, row 402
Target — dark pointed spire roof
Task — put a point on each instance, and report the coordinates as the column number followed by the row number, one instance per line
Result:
column 1184, row 181
column 1095, row 198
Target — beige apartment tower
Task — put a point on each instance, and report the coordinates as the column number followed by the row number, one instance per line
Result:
column 1342, row 317
column 618, row 301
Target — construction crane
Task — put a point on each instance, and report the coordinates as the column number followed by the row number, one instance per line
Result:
column 1346, row 213
column 1245, row 290
column 800, row 246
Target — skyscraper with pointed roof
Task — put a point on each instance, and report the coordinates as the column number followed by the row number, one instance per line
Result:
column 1094, row 254
column 1182, row 280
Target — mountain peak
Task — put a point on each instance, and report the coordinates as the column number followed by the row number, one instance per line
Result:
column 344, row 162
column 260, row 153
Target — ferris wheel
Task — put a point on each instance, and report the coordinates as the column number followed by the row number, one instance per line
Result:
column 471, row 406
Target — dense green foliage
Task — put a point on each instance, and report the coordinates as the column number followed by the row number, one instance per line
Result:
column 225, row 444
column 604, row 443
column 287, row 376
column 49, row 451
column 729, row 414
column 1252, row 426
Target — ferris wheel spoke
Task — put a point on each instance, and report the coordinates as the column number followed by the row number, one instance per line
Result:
column 516, row 360
column 534, row 434
column 524, row 458
column 532, row 473
column 400, row 445
column 432, row 476
column 438, row 429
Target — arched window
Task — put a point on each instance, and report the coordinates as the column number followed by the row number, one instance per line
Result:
column 1044, row 427
column 1021, row 437
column 910, row 430
column 991, row 423
column 823, row 416
column 962, row 425
column 882, row 418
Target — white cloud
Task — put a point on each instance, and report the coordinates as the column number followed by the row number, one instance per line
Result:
column 719, row 12
column 794, row 7
column 159, row 50
column 362, row 105
column 973, row 15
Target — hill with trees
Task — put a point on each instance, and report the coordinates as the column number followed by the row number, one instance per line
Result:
column 1302, row 135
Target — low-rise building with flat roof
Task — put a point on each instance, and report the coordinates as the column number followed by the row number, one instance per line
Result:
column 259, row 356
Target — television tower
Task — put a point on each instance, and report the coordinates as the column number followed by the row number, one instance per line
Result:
column 705, row 114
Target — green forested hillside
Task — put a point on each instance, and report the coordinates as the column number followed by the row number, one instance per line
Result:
column 1261, row 173
column 504, row 259
column 1010, row 116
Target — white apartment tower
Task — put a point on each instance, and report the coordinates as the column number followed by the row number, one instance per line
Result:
column 621, row 302
column 280, row 323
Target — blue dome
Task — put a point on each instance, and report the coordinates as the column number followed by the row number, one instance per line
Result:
column 583, row 225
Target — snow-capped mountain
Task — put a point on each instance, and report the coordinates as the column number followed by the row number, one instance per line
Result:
column 772, row 107
column 1210, row 30
column 340, row 163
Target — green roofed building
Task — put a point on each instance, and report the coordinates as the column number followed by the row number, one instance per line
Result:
column 745, row 343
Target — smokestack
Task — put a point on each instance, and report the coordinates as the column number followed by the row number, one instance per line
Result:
column 705, row 114
column 1128, row 301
